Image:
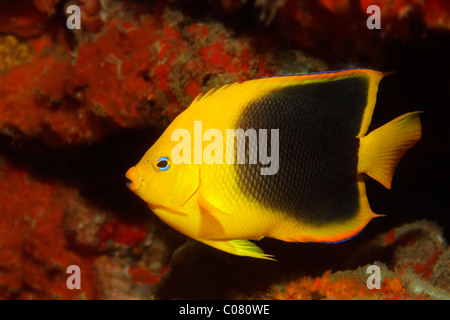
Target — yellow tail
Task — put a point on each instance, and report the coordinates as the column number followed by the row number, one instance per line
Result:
column 381, row 150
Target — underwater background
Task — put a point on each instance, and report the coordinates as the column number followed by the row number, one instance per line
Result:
column 78, row 107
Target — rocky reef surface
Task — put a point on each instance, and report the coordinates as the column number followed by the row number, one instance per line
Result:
column 78, row 107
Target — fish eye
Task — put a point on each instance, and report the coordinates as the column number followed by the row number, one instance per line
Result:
column 163, row 163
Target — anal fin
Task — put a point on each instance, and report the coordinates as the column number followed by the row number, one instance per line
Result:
column 239, row 247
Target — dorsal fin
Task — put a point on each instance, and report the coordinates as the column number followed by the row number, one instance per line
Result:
column 213, row 91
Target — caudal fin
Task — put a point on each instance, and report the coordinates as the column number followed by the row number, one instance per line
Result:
column 381, row 150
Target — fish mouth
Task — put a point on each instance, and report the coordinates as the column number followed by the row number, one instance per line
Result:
column 134, row 182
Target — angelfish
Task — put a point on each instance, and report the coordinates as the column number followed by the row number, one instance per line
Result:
column 318, row 193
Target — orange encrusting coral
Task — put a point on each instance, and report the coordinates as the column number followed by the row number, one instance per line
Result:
column 46, row 227
column 33, row 249
column 121, row 232
column 135, row 65
column 419, row 260
column 13, row 53
column 141, row 275
column 104, row 82
column 435, row 13
column 395, row 287
column 342, row 287
column 427, row 268
column 121, row 78
column 26, row 18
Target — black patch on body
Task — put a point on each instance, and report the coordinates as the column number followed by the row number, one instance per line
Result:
column 318, row 153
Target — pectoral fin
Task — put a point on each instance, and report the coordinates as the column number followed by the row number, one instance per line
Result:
column 186, row 185
column 208, row 208
column 239, row 248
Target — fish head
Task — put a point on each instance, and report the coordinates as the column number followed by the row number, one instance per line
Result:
column 160, row 182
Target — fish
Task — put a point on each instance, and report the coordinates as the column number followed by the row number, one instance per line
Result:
column 207, row 182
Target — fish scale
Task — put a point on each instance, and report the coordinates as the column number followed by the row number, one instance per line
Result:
column 300, row 171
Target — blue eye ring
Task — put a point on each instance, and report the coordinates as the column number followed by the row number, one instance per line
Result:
column 163, row 164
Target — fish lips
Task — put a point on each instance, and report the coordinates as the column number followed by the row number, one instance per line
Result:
column 134, row 178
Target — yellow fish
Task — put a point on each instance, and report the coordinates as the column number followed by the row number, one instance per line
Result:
column 279, row 157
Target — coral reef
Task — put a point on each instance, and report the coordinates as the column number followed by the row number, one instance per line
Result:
column 26, row 18
column 13, row 53
column 412, row 259
column 33, row 254
column 420, row 254
column 85, row 91
column 159, row 64
column 55, row 228
column 79, row 107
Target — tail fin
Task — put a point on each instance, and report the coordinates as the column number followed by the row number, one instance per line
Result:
column 381, row 150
